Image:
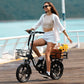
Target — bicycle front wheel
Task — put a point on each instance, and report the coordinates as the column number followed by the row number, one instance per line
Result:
column 56, row 70
column 23, row 73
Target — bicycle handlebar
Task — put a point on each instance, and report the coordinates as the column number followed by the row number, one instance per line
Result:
column 30, row 31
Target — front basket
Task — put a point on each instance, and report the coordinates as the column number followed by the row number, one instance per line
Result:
column 21, row 53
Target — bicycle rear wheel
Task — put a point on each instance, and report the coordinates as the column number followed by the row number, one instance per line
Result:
column 56, row 70
column 23, row 73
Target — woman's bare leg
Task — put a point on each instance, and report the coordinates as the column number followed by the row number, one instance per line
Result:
column 39, row 42
column 50, row 46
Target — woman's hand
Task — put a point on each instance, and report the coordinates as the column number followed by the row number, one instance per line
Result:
column 29, row 30
column 69, row 39
column 67, row 36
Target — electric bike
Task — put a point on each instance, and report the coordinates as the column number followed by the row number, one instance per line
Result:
column 24, row 71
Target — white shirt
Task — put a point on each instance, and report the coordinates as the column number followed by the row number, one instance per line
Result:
column 56, row 27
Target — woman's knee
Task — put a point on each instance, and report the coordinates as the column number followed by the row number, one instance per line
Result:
column 49, row 49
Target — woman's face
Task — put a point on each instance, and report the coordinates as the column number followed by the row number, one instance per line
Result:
column 46, row 7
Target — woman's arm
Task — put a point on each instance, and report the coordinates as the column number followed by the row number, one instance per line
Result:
column 60, row 26
column 37, row 24
column 58, row 23
column 67, row 36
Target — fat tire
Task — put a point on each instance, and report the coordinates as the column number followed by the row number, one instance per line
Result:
column 23, row 70
column 56, row 70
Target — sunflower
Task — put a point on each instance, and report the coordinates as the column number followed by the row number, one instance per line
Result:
column 64, row 47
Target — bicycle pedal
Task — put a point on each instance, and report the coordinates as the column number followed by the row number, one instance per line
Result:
column 45, row 76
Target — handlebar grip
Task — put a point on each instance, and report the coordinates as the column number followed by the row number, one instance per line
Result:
column 41, row 32
column 29, row 31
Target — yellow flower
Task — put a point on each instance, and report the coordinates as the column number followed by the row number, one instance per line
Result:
column 64, row 48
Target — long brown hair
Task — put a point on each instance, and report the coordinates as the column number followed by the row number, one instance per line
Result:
column 53, row 9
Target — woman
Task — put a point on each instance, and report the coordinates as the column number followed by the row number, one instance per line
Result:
column 50, row 23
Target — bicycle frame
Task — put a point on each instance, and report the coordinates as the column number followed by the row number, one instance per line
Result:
column 24, row 71
column 29, row 55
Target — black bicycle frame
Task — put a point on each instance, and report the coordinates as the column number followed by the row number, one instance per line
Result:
column 32, row 35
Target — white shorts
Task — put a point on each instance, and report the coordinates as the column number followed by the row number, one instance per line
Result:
column 49, row 37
